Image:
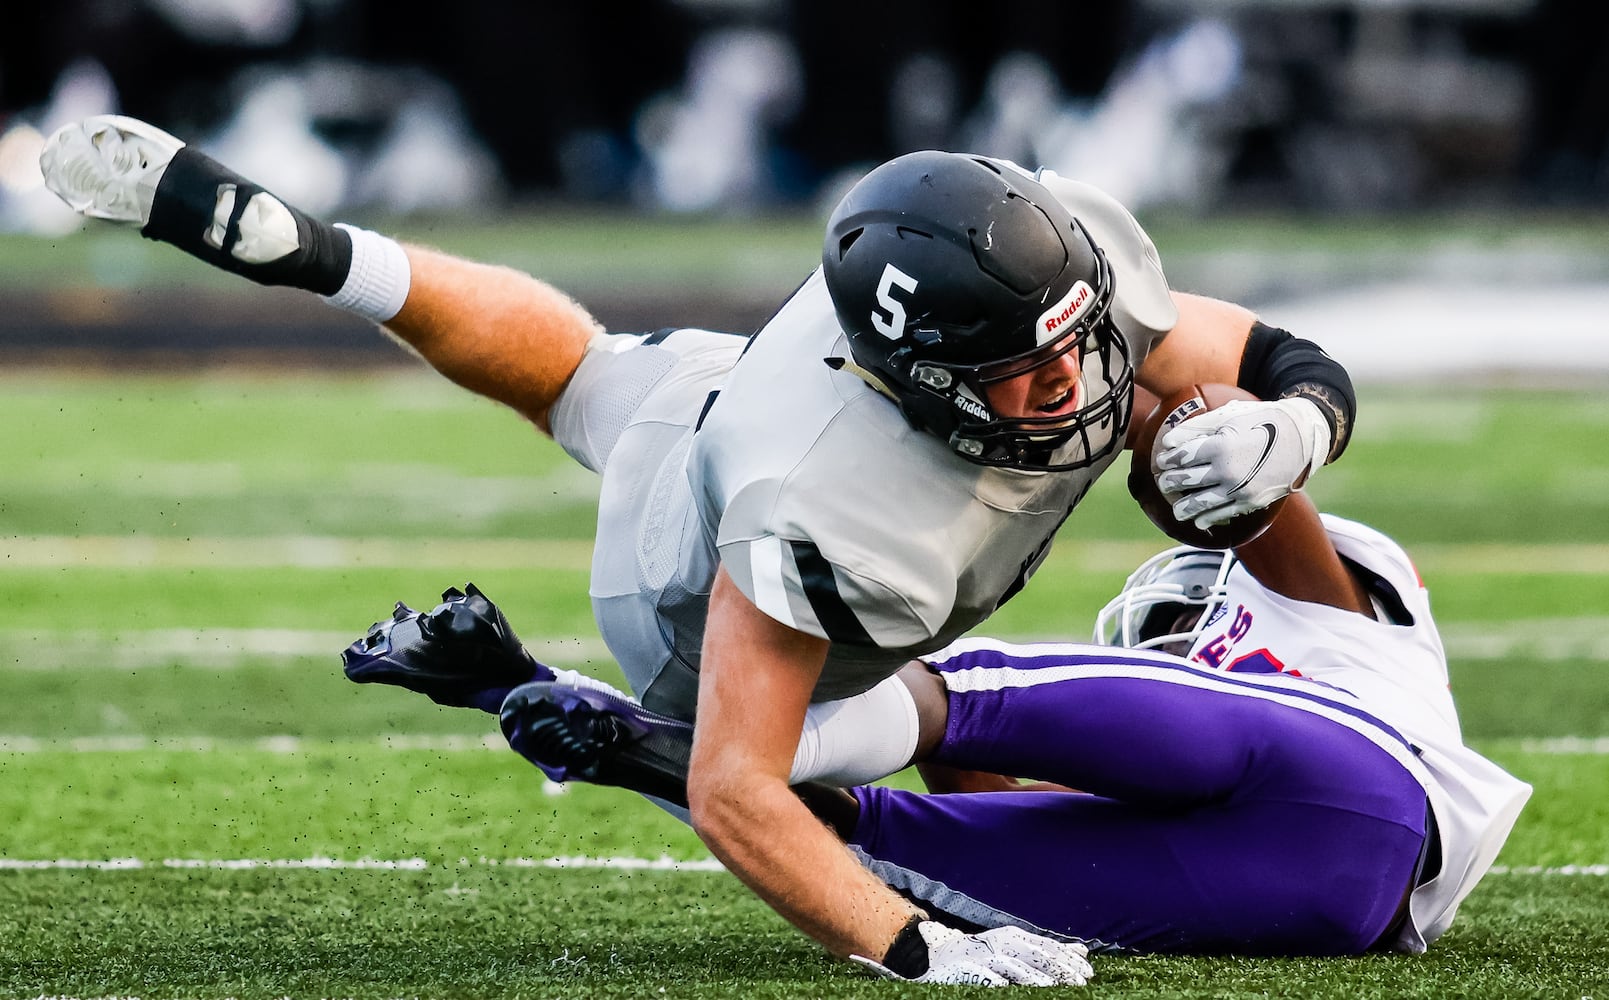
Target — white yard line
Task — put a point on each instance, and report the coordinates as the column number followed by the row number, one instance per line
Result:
column 212, row 648
column 1546, row 639
column 1567, row 745
column 326, row 552
column 290, row 551
column 1562, row 746
column 663, row 863
column 438, row 743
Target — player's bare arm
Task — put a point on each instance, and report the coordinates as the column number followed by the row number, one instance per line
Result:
column 1296, row 558
column 754, row 687
column 1206, row 345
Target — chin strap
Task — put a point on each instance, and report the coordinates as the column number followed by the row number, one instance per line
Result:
column 865, row 375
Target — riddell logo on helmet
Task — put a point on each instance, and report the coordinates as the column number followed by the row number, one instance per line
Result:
column 969, row 406
column 1072, row 306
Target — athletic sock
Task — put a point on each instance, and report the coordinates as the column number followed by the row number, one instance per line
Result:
column 213, row 213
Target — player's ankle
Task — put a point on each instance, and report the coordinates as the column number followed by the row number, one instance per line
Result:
column 209, row 211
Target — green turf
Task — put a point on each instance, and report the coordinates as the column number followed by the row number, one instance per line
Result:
column 463, row 927
column 155, row 528
column 540, row 934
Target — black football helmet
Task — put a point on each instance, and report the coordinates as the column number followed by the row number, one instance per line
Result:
column 951, row 273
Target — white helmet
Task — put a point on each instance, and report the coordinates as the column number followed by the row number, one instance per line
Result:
column 1167, row 601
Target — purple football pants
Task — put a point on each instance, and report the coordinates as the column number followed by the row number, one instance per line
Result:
column 1260, row 815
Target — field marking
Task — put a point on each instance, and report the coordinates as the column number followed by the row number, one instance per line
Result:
column 290, row 551
column 1561, row 746
column 214, row 648
column 663, row 863
column 434, row 743
column 1564, row 746
column 330, row 552
column 219, row 864
column 1546, row 639
column 1597, row 871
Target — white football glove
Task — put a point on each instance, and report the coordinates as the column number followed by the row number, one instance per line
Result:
column 1000, row 956
column 1240, row 457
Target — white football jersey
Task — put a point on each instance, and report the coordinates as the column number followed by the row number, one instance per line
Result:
column 1396, row 668
column 826, row 508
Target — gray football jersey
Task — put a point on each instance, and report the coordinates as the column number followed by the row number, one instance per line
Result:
column 833, row 515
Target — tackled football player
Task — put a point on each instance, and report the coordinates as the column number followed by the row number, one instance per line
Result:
column 788, row 518
column 1272, row 763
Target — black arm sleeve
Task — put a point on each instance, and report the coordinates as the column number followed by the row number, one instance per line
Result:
column 1277, row 365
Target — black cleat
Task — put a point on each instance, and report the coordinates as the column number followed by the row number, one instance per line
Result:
column 588, row 731
column 461, row 653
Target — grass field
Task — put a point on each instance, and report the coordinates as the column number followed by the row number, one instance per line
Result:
column 198, row 804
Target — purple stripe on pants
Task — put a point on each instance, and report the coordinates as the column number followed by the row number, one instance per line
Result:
column 1211, row 821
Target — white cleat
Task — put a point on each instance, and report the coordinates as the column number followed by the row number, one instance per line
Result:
column 108, row 166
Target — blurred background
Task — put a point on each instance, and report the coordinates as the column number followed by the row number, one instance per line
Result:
column 671, row 161
column 737, row 106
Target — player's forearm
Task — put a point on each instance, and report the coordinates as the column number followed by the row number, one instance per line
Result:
column 493, row 330
column 765, row 836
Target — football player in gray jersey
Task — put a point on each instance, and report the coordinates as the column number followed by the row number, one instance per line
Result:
column 786, row 520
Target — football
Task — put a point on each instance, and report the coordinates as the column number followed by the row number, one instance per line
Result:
column 1183, row 405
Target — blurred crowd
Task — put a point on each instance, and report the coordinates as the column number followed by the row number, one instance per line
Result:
column 728, row 106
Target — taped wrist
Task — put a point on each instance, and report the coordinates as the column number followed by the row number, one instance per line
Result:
column 1277, row 365
column 907, row 956
column 211, row 212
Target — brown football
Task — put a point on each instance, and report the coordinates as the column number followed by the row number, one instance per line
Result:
column 1183, row 405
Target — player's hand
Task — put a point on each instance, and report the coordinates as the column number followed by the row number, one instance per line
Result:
column 1240, row 457
column 1001, row 956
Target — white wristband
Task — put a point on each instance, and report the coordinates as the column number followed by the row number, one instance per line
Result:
column 377, row 285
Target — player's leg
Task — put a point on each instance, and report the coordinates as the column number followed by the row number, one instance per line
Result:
column 1226, row 813
column 1265, row 877
column 493, row 330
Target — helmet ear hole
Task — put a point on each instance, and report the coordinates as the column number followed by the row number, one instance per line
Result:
column 848, row 241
